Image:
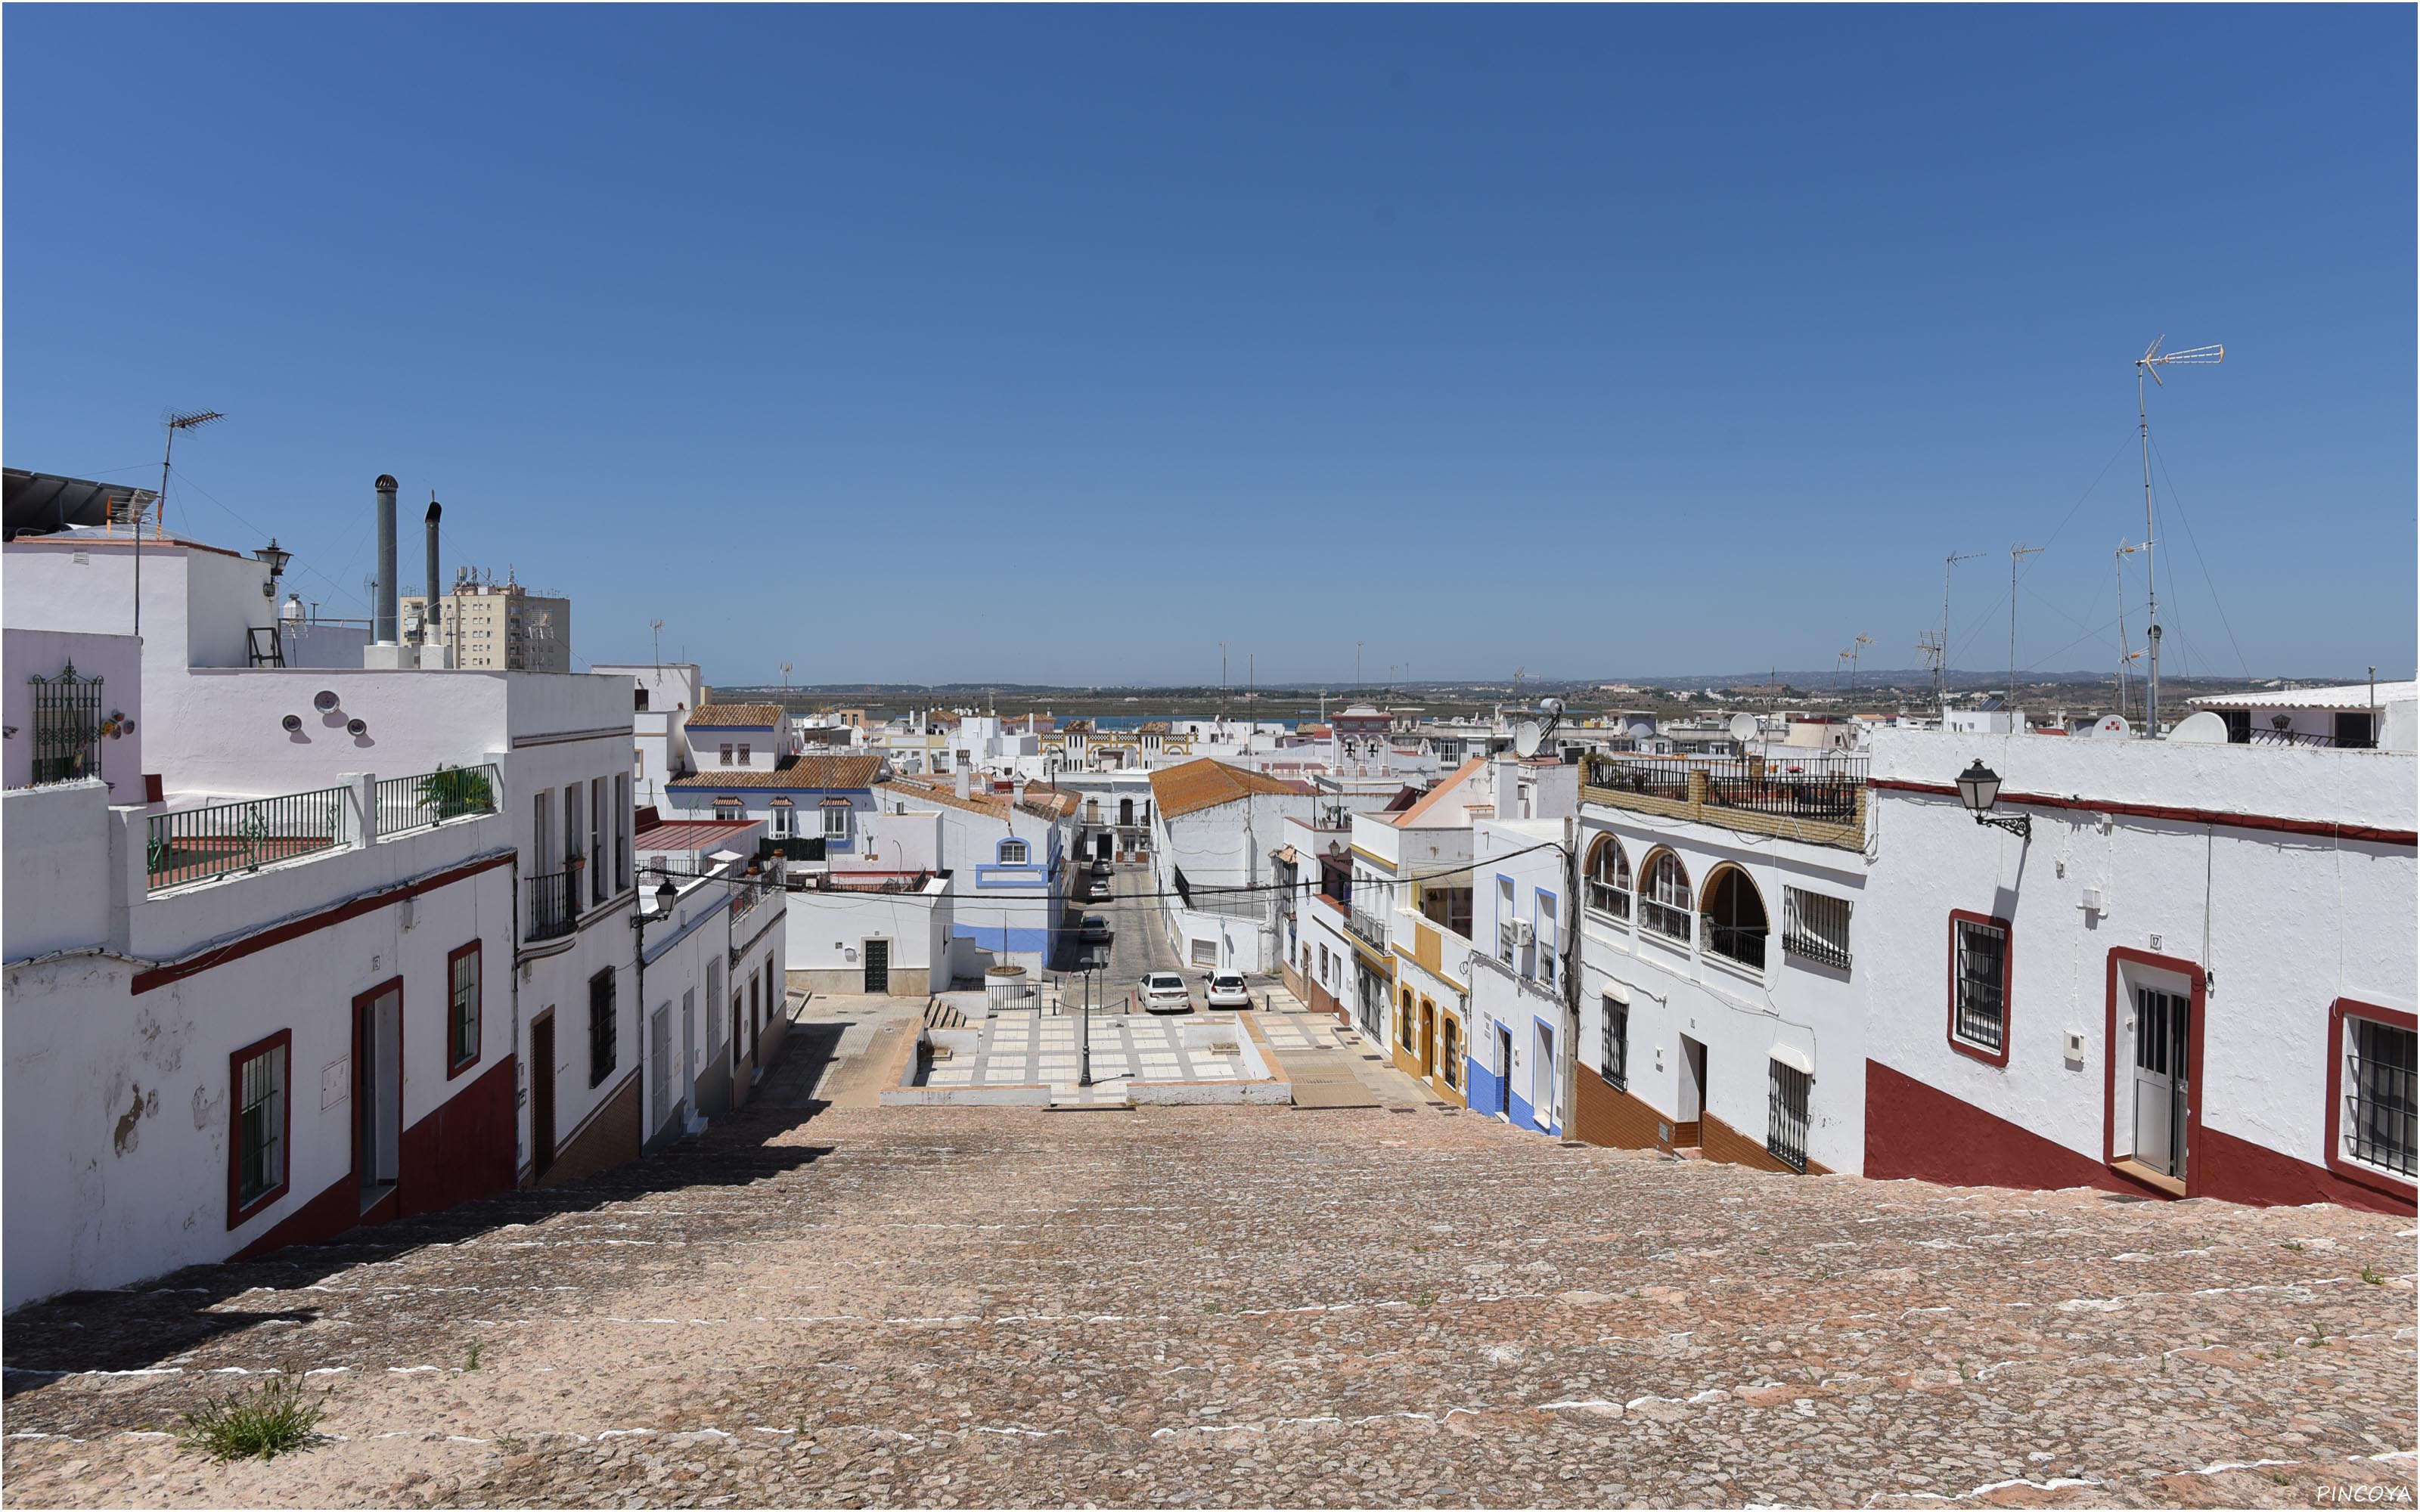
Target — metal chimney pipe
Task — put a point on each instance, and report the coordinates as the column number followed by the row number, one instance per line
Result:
column 382, row 611
column 428, row 621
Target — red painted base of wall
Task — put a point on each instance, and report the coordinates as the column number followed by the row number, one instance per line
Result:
column 1912, row 1130
column 462, row 1150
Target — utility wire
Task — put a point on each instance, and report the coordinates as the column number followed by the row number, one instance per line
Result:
column 2178, row 499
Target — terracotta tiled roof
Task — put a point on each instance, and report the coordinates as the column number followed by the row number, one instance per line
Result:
column 736, row 716
column 793, row 772
column 1418, row 813
column 1040, row 802
column 1207, row 783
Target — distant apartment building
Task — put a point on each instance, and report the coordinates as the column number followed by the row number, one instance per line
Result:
column 499, row 626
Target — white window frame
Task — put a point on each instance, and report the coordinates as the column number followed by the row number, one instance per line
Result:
column 836, row 821
column 1023, row 852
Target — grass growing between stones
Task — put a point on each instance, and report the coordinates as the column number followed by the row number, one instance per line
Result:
column 259, row 1423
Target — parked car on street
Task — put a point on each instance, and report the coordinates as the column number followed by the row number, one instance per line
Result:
column 1102, row 868
column 1099, row 892
column 1094, row 928
column 1227, row 990
column 1163, row 991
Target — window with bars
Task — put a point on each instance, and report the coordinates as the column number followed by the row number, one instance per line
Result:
column 258, row 1151
column 1615, row 1060
column 462, row 1008
column 1815, row 927
column 1979, row 1008
column 727, row 753
column 2379, row 1095
column 604, row 1042
column 1785, row 1121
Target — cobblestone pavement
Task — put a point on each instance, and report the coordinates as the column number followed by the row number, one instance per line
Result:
column 1235, row 1305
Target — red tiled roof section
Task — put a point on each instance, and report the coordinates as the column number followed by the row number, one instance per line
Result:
column 1041, row 803
column 1414, row 816
column 736, row 716
column 689, row 834
column 796, row 772
column 1207, row 783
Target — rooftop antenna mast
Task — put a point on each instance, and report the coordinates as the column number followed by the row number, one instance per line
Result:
column 1941, row 678
column 2016, row 554
column 656, row 628
column 2151, row 362
column 2124, row 654
column 1856, row 649
column 177, row 421
column 785, row 681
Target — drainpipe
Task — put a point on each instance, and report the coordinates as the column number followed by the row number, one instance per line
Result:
column 1567, row 1078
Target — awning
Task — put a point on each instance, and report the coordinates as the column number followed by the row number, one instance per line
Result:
column 1794, row 1057
column 835, row 803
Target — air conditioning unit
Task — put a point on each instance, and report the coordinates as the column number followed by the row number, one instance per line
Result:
column 1522, row 932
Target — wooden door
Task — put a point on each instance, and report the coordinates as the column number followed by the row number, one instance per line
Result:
column 542, row 1092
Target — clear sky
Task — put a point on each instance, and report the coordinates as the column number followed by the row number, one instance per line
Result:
column 1060, row 346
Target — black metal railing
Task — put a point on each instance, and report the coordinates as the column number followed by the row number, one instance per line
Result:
column 198, row 844
column 2382, row 1112
column 1820, row 785
column 2261, row 736
column 1815, row 927
column 1742, row 943
column 434, row 797
column 1649, row 777
column 553, row 904
column 792, row 848
column 1605, row 897
column 1814, row 948
column 66, row 727
column 1785, row 1116
column 1666, row 919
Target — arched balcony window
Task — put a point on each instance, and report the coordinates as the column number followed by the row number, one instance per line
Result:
column 1665, row 901
column 1608, row 879
column 1735, row 919
column 1012, row 853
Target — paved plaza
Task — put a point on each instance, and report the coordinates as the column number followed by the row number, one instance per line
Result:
column 851, row 1306
column 1028, row 1048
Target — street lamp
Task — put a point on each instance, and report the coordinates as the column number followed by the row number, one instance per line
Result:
column 1979, row 789
column 276, row 557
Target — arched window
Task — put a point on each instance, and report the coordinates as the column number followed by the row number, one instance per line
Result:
column 1453, row 1053
column 1012, row 853
column 1664, row 896
column 1735, row 921
column 1608, row 879
column 1405, row 1034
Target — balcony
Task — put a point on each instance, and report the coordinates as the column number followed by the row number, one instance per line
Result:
column 1815, row 796
column 200, row 844
column 792, row 848
column 553, row 905
column 1368, row 928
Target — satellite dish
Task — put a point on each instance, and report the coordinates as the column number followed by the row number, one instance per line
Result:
column 2112, row 727
column 2202, row 728
column 1744, row 727
column 1526, row 736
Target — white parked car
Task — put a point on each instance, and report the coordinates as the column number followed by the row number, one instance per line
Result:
column 1163, row 991
column 1099, row 892
column 1227, row 990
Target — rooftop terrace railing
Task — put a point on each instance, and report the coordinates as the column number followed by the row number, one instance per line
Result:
column 434, row 797
column 1814, row 785
column 187, row 846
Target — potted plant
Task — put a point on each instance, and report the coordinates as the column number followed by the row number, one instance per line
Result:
column 456, row 790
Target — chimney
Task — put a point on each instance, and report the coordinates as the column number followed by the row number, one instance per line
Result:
column 429, row 607
column 1016, row 789
column 383, row 625
column 964, row 780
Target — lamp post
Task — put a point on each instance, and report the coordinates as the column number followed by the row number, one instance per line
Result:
column 1979, row 789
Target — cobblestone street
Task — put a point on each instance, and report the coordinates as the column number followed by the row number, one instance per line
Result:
column 1243, row 1305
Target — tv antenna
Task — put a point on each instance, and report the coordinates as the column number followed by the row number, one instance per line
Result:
column 176, row 421
column 656, row 628
column 1941, row 669
column 1856, row 649
column 2151, row 362
column 785, row 680
column 2016, row 554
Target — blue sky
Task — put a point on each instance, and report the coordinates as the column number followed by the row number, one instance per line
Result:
column 1060, row 345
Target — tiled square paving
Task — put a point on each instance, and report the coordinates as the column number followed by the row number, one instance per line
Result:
column 1028, row 1048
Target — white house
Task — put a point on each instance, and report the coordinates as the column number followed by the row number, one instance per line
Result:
column 1214, row 829
column 2161, row 967
column 1007, row 853
column 1520, row 1035
column 714, row 964
column 1722, row 1007
column 662, row 696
